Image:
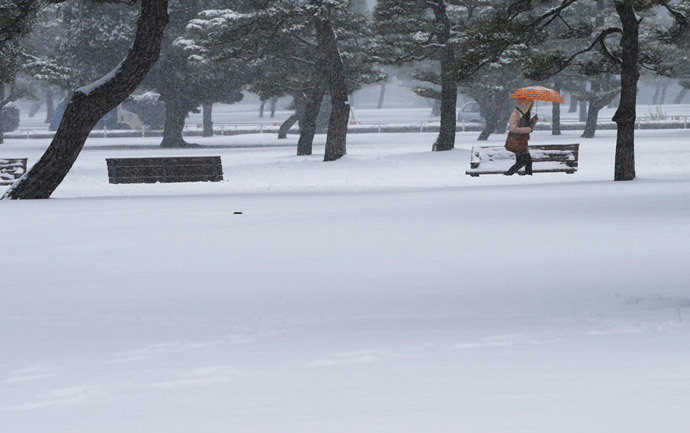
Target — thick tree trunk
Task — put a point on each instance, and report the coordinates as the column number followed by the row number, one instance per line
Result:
column 449, row 98
column 307, row 125
column 207, row 119
column 573, row 105
column 625, row 115
column 681, row 96
column 382, row 96
column 261, row 108
column 89, row 104
column 556, row 113
column 176, row 112
column 662, row 98
column 329, row 56
column 449, row 87
column 50, row 106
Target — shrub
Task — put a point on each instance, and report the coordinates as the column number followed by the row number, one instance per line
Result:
column 10, row 118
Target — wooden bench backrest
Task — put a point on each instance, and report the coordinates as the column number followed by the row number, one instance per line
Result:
column 165, row 170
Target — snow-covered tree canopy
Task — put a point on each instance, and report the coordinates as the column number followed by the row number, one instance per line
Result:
column 277, row 38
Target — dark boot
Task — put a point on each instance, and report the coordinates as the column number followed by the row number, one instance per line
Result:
column 519, row 163
column 528, row 164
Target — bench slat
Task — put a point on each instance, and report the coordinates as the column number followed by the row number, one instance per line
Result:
column 165, row 170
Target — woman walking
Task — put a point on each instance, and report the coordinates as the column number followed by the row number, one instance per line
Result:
column 521, row 125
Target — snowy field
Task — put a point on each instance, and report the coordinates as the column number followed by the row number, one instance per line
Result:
column 386, row 292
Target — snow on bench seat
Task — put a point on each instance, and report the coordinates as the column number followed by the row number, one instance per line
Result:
column 546, row 158
column 11, row 170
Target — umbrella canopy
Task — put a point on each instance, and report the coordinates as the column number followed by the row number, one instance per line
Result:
column 537, row 93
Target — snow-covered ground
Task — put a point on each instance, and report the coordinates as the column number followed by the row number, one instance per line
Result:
column 384, row 292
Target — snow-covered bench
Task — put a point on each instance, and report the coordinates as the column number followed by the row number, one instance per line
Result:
column 11, row 170
column 546, row 158
column 165, row 170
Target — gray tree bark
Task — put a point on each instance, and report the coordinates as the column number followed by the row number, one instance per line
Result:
column 630, row 75
column 299, row 114
column 556, row 112
column 87, row 106
column 307, row 125
column 449, row 87
column 50, row 106
column 207, row 110
column 176, row 110
column 681, row 96
column 329, row 56
column 382, row 96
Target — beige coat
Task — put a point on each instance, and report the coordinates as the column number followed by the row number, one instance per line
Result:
column 513, row 124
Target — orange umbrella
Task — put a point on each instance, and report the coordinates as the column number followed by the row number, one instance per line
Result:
column 537, row 93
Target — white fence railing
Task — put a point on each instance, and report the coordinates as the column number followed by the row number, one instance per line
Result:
column 668, row 122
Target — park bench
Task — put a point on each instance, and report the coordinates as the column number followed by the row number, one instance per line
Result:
column 11, row 170
column 547, row 158
column 165, row 170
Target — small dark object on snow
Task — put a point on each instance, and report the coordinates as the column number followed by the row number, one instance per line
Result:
column 237, row 213
column 165, row 170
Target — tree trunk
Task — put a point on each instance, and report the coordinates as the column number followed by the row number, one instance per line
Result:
column 307, row 125
column 592, row 118
column 175, row 114
column 35, row 106
column 299, row 113
column 681, row 96
column 655, row 97
column 2, row 119
column 583, row 111
column 382, row 96
column 50, row 106
column 329, row 56
column 496, row 109
column 436, row 108
column 274, row 101
column 662, row 98
column 490, row 112
column 556, row 112
column 449, row 87
column 208, row 120
column 89, row 104
column 630, row 74
column 261, row 108
column 573, row 104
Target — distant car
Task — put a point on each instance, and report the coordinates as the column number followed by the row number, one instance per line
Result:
column 470, row 113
